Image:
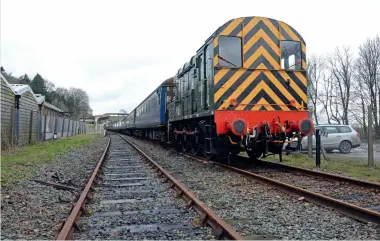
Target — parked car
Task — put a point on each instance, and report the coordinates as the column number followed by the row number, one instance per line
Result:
column 339, row 137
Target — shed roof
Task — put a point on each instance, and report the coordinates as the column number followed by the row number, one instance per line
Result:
column 53, row 107
column 40, row 98
column 19, row 89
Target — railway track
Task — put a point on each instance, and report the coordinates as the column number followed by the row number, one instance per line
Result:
column 355, row 198
column 362, row 193
column 129, row 196
column 255, row 210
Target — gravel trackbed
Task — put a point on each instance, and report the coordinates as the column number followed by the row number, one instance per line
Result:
column 30, row 210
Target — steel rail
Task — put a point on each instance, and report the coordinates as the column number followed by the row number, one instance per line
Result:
column 363, row 183
column 350, row 210
column 222, row 229
column 66, row 232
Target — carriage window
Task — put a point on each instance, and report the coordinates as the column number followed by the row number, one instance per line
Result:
column 291, row 55
column 229, row 51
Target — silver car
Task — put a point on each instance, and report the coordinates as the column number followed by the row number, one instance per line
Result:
column 339, row 137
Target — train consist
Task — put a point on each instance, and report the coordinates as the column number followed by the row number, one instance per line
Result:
column 245, row 89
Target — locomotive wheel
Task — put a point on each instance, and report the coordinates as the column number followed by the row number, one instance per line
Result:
column 209, row 156
column 254, row 155
column 186, row 144
column 178, row 143
column 195, row 147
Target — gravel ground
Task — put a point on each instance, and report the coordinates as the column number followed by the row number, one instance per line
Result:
column 254, row 209
column 124, row 207
column 355, row 194
column 30, row 210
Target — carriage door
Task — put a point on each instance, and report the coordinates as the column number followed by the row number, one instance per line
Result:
column 209, row 53
column 185, row 91
column 201, row 79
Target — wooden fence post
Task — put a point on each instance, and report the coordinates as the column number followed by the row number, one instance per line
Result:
column 63, row 125
column 11, row 127
column 68, row 128
column 40, row 137
column 72, row 128
column 45, row 118
column 30, row 126
column 55, row 124
column 17, row 126
column 370, row 140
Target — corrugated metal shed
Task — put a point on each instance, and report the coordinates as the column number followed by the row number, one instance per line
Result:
column 7, row 113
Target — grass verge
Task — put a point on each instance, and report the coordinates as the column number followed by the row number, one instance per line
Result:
column 20, row 164
column 351, row 168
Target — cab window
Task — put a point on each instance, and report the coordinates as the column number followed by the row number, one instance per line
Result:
column 291, row 55
column 230, row 51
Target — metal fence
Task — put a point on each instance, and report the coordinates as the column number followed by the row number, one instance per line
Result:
column 95, row 128
column 34, row 127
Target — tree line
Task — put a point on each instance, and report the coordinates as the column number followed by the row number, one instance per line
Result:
column 74, row 101
column 342, row 85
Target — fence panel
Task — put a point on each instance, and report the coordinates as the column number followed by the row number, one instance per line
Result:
column 38, row 126
column 59, row 127
column 24, row 126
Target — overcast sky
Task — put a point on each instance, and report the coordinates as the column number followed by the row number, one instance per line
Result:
column 119, row 51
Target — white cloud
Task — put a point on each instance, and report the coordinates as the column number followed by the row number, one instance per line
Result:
column 119, row 51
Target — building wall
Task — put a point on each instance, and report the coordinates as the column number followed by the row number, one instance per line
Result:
column 27, row 104
column 7, row 106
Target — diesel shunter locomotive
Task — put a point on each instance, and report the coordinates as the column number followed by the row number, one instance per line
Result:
column 245, row 89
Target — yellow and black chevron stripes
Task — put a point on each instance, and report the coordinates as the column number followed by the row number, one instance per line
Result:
column 268, row 87
column 261, row 41
column 260, row 84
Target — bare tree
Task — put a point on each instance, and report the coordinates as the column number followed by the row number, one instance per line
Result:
column 315, row 70
column 324, row 96
column 50, row 86
column 359, row 103
column 368, row 72
column 334, row 106
column 341, row 68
